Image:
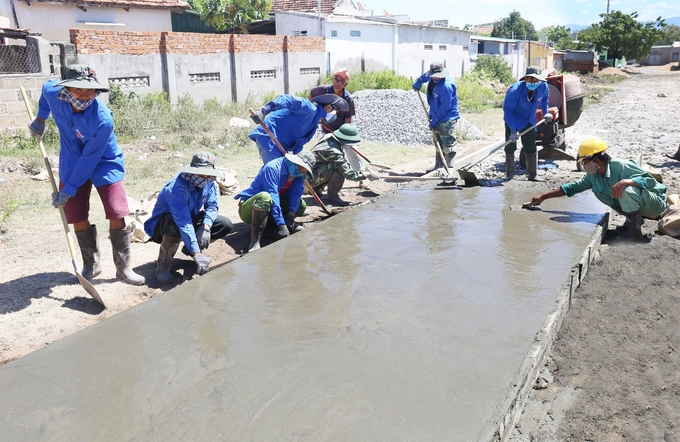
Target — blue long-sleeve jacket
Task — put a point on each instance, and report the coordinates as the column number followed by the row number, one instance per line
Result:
column 518, row 111
column 292, row 120
column 271, row 178
column 88, row 147
column 442, row 98
column 184, row 201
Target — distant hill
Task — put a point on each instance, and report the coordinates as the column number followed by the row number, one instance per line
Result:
column 672, row 20
column 576, row 28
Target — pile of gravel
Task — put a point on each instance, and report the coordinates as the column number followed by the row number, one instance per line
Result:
column 396, row 116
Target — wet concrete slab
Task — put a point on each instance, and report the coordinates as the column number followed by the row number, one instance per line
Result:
column 404, row 319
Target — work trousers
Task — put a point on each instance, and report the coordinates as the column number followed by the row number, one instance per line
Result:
column 268, row 149
column 263, row 201
column 166, row 226
column 528, row 140
column 445, row 133
column 633, row 199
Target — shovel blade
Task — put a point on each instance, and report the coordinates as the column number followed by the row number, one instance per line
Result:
column 551, row 153
column 89, row 288
column 469, row 177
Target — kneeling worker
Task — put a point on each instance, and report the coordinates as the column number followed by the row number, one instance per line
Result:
column 332, row 167
column 275, row 193
column 620, row 184
column 186, row 210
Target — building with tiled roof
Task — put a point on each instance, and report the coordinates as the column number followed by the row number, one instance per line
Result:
column 327, row 6
column 52, row 19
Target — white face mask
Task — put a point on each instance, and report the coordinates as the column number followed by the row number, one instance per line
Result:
column 330, row 116
column 591, row 168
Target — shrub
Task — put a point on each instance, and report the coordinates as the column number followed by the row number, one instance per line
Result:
column 496, row 68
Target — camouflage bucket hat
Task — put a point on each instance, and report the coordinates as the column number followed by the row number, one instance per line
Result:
column 534, row 71
column 437, row 70
column 83, row 77
column 203, row 163
column 305, row 159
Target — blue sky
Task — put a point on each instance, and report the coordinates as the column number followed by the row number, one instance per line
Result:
column 540, row 13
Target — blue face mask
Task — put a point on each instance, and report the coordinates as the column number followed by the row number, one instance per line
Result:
column 533, row 86
column 293, row 170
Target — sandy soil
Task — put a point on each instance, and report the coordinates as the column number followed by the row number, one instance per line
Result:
column 613, row 372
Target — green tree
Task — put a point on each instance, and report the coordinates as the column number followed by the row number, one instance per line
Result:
column 672, row 33
column 225, row 14
column 560, row 36
column 515, row 27
column 495, row 67
column 623, row 36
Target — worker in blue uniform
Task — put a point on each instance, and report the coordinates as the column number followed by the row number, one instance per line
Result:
column 88, row 155
column 186, row 210
column 519, row 112
column 275, row 196
column 293, row 121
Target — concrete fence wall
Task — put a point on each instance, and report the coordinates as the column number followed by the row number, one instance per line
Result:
column 221, row 66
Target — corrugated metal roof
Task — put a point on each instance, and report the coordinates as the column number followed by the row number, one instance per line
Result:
column 176, row 5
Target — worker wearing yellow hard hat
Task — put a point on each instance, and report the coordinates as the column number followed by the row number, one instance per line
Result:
column 620, row 184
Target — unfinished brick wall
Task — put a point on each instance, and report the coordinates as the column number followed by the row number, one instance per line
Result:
column 89, row 41
column 141, row 43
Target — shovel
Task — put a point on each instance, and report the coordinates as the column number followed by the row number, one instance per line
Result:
column 469, row 177
column 89, row 288
column 283, row 152
column 440, row 152
column 379, row 166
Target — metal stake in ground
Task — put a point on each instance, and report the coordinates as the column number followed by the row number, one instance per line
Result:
column 89, row 288
column 283, row 152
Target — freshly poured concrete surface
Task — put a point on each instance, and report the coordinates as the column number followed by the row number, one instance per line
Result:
column 405, row 319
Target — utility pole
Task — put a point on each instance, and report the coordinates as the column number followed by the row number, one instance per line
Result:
column 607, row 7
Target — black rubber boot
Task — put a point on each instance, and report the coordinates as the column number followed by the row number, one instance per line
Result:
column 257, row 227
column 438, row 163
column 89, row 249
column 334, row 186
column 167, row 251
column 532, row 166
column 675, row 156
column 120, row 243
column 633, row 223
column 509, row 165
column 450, row 159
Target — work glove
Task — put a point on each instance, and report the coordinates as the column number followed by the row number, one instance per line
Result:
column 291, row 224
column 59, row 198
column 372, row 176
column 203, row 237
column 202, row 263
column 415, row 88
column 258, row 116
column 514, row 136
column 548, row 118
column 37, row 129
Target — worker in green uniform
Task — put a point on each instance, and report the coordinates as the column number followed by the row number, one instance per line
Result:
column 620, row 184
column 332, row 167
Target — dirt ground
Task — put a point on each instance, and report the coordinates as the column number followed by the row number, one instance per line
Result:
column 613, row 372
column 612, row 375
